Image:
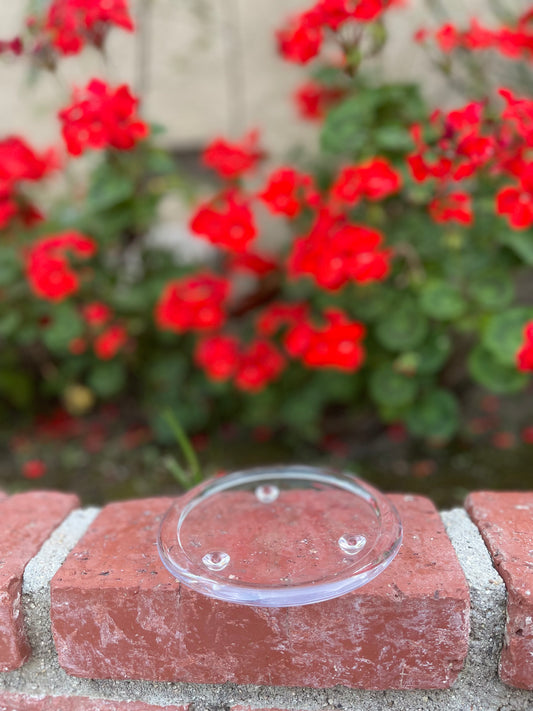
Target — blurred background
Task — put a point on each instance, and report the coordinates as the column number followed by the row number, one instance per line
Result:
column 205, row 69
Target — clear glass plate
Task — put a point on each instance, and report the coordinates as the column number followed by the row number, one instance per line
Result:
column 279, row 536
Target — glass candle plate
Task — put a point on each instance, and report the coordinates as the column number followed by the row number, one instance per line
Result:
column 279, row 536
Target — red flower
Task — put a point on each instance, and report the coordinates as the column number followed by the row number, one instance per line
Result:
column 517, row 201
column 314, row 100
column 218, row 356
column 192, row 303
column 260, row 363
column 33, row 469
column 14, row 46
column 478, row 37
column 8, row 207
column 96, row 313
column 226, row 221
column 110, row 342
column 101, row 117
column 280, row 314
column 337, row 345
column 524, row 356
column 332, row 13
column 231, row 160
column 460, row 149
column 527, row 435
column 251, row 262
column 448, row 37
column 73, row 23
column 336, row 252
column 455, row 207
column 369, row 10
column 301, row 39
column 285, row 191
column 18, row 161
column 374, row 180
column 47, row 269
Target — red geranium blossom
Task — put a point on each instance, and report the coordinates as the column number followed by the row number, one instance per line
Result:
column 108, row 343
column 96, row 313
column 192, row 303
column 448, row 37
column 455, row 207
column 259, row 364
column 301, row 39
column 226, row 221
column 251, row 367
column 218, row 355
column 335, row 252
column 524, row 356
column 286, row 191
column 73, row 23
column 280, row 314
column 313, row 100
column 231, row 160
column 33, row 469
column 336, row 345
column 19, row 163
column 251, row 262
column 373, row 180
column 369, row 10
column 464, row 145
column 101, row 117
column 47, row 268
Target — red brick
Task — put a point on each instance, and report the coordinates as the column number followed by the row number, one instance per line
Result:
column 505, row 520
column 26, row 521
column 22, row 702
column 117, row 613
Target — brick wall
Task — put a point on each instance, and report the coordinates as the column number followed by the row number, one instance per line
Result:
column 90, row 619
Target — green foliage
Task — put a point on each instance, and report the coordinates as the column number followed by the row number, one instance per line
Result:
column 403, row 327
column 372, row 121
column 434, row 416
column 448, row 318
column 504, row 334
column 494, row 375
column 391, row 389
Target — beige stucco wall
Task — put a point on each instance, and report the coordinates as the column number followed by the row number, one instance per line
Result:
column 212, row 68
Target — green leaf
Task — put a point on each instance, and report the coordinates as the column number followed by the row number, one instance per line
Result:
column 521, row 243
column 372, row 301
column 66, row 325
column 346, row 126
column 16, row 386
column 494, row 375
column 10, row 266
column 435, row 416
column 492, row 290
column 107, row 379
column 403, row 327
column 391, row 389
column 442, row 301
column 9, row 323
column 393, row 138
column 504, row 333
column 109, row 189
column 433, row 353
